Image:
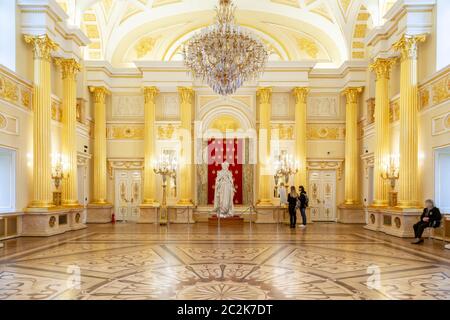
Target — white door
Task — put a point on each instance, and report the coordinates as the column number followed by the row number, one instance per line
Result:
column 322, row 195
column 128, row 195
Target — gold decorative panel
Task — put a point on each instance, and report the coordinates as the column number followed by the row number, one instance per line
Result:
column 285, row 131
column 394, row 112
column 308, row 46
column 435, row 91
column 125, row 132
column 325, row 132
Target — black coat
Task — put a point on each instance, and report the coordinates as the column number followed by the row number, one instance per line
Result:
column 434, row 215
column 292, row 200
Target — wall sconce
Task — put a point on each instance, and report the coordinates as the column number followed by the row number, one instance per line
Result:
column 285, row 166
column 391, row 172
column 166, row 166
column 59, row 169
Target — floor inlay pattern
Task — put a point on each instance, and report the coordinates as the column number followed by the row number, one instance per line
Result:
column 326, row 262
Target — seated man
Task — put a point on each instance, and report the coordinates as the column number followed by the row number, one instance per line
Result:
column 431, row 218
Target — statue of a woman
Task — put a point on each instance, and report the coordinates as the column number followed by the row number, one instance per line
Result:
column 224, row 192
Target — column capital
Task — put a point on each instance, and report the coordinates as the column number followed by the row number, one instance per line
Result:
column 42, row 46
column 382, row 67
column 264, row 95
column 69, row 67
column 352, row 94
column 408, row 44
column 99, row 94
column 150, row 94
column 300, row 94
column 186, row 94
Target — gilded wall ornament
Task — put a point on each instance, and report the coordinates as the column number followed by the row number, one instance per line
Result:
column 125, row 132
column 166, row 132
column 8, row 90
column 144, row 46
column 441, row 92
column 325, row 132
column 308, row 46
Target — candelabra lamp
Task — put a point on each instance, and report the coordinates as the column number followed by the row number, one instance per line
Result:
column 166, row 167
column 391, row 174
column 59, row 173
column 284, row 168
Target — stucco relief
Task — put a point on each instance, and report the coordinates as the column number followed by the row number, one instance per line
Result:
column 323, row 107
column 127, row 106
column 280, row 106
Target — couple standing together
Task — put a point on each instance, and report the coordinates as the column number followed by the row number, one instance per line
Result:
column 297, row 201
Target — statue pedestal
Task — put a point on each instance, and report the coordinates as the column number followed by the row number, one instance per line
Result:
column 148, row 213
column 99, row 213
column 181, row 214
column 269, row 214
column 231, row 221
column 393, row 221
column 351, row 214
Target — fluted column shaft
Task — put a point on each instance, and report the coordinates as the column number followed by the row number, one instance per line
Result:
column 409, row 106
column 300, row 95
column 186, row 96
column 150, row 94
column 42, row 192
column 382, row 68
column 69, row 68
column 351, row 146
column 100, row 174
column 265, row 111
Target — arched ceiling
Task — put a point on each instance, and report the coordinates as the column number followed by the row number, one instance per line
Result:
column 328, row 32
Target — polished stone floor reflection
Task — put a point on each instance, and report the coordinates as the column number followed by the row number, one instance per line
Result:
column 129, row 261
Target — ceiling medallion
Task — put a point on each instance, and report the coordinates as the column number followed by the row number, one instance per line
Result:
column 224, row 54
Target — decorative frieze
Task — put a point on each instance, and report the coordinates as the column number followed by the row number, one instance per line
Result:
column 323, row 107
column 125, row 132
column 284, row 131
column 14, row 91
column 129, row 106
column 327, row 164
column 435, row 91
column 325, row 132
column 128, row 164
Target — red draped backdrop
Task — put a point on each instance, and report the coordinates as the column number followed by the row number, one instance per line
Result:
column 220, row 150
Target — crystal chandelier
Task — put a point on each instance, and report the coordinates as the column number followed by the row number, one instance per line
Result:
column 224, row 54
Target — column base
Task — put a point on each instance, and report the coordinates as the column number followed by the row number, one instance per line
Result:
column 393, row 221
column 351, row 214
column 43, row 222
column 181, row 214
column 99, row 213
column 148, row 213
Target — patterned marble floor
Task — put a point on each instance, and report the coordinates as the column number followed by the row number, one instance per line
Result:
column 128, row 261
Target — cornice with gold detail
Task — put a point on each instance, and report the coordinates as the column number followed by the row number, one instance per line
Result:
column 300, row 94
column 352, row 94
column 264, row 95
column 382, row 67
column 69, row 67
column 42, row 46
column 186, row 95
column 408, row 46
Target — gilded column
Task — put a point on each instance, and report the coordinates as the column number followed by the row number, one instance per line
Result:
column 186, row 96
column 351, row 146
column 382, row 69
column 42, row 48
column 409, row 106
column 100, row 175
column 265, row 111
column 150, row 94
column 69, row 69
column 300, row 95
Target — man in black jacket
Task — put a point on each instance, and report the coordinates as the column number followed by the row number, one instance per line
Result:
column 431, row 218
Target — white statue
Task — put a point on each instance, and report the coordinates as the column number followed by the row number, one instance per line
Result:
column 224, row 192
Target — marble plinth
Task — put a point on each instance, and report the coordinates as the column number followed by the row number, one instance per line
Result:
column 52, row 221
column 393, row 221
column 181, row 214
column 99, row 213
column 148, row 213
column 230, row 221
column 269, row 214
column 351, row 214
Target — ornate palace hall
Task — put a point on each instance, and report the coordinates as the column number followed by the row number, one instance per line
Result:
column 224, row 149
column 197, row 262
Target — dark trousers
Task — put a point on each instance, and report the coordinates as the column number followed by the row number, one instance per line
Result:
column 293, row 216
column 419, row 228
column 303, row 212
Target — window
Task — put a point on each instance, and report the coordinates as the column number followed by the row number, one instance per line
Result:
column 442, row 28
column 442, row 179
column 8, row 180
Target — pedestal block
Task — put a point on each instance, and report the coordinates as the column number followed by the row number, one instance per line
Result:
column 148, row 213
column 269, row 214
column 393, row 221
column 181, row 214
column 99, row 213
column 230, row 221
column 351, row 214
column 48, row 222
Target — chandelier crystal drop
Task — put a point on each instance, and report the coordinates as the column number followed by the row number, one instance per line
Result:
column 224, row 54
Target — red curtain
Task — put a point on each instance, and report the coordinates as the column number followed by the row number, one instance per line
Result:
column 219, row 151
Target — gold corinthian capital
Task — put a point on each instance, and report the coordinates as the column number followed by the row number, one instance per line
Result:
column 42, row 46
column 382, row 67
column 408, row 45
